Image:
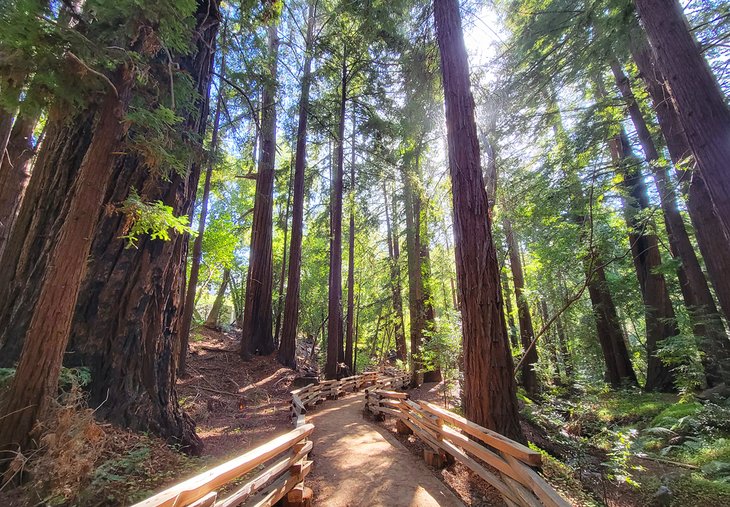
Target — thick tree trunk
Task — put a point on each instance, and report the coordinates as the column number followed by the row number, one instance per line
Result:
column 527, row 333
column 212, row 321
column 707, row 323
column 36, row 379
column 350, row 327
column 395, row 287
column 334, row 326
column 43, row 211
column 192, row 285
column 659, row 313
column 127, row 323
column 15, row 173
column 287, row 346
column 489, row 386
column 257, row 337
column 713, row 243
column 700, row 102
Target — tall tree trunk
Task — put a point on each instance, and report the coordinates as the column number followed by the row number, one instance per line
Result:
column 706, row 321
column 334, row 326
column 15, row 172
column 619, row 369
column 287, row 346
column 192, row 285
column 659, row 313
column 282, row 274
column 703, row 112
column 43, row 211
column 395, row 287
column 527, row 333
column 350, row 327
column 713, row 243
column 128, row 317
column 36, row 378
column 212, row 321
column 489, row 387
column 563, row 347
column 256, row 335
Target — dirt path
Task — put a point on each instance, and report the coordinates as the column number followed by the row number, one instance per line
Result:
column 357, row 463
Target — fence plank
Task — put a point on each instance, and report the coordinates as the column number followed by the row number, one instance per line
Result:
column 504, row 444
column 200, row 485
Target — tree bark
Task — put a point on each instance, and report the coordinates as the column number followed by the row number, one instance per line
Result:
column 212, row 321
column 282, row 274
column 257, row 337
column 350, row 327
column 659, row 313
column 713, row 243
column 706, row 321
column 489, row 386
column 36, row 378
column 334, row 325
column 287, row 346
column 527, row 333
column 703, row 112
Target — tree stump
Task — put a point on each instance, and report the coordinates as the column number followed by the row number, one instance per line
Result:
column 299, row 496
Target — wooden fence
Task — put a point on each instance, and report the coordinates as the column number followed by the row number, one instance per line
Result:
column 280, row 478
column 451, row 436
column 275, row 469
column 312, row 394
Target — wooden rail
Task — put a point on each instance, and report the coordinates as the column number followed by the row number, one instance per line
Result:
column 312, row 394
column 451, row 436
column 281, row 476
column 281, row 463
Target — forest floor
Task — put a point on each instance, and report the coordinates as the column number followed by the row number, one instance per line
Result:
column 599, row 447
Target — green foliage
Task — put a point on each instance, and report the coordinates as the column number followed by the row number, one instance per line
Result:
column 618, row 465
column 155, row 140
column 682, row 354
column 154, row 219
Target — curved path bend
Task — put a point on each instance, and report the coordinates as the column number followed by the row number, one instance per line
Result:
column 358, row 463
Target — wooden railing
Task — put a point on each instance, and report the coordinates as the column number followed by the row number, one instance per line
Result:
column 312, row 394
column 284, row 476
column 451, row 436
column 281, row 463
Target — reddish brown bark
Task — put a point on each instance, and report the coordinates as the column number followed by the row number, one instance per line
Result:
column 659, row 313
column 707, row 323
column 713, row 244
column 700, row 103
column 39, row 220
column 287, row 347
column 350, row 326
column 36, row 379
column 527, row 333
column 257, row 337
column 334, row 324
column 489, row 387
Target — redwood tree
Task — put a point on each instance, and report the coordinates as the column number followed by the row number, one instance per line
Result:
column 489, row 386
column 257, row 334
column 287, row 346
column 703, row 111
column 527, row 333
